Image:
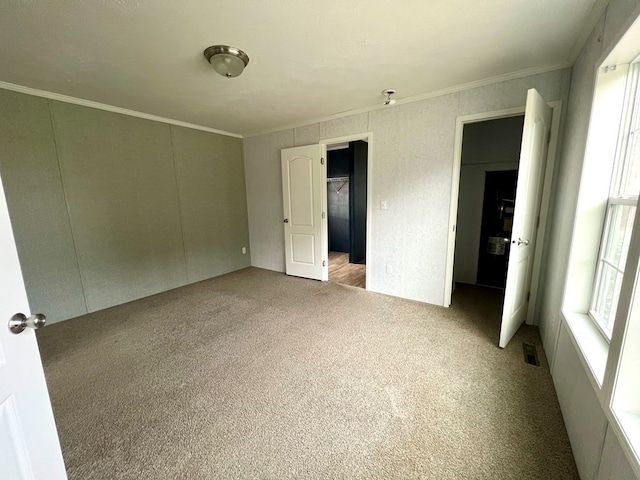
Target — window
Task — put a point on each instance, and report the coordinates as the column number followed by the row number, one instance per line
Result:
column 601, row 303
column 620, row 211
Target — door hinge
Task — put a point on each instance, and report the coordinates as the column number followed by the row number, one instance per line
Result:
column 528, row 295
column 549, row 137
column 324, row 215
column 321, row 161
column 538, row 222
column 324, row 263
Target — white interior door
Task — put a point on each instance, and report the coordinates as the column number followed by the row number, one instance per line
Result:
column 304, row 199
column 533, row 159
column 29, row 445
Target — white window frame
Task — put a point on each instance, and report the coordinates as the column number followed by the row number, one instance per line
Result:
column 598, row 283
column 629, row 121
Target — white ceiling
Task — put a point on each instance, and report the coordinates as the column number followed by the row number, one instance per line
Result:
column 309, row 59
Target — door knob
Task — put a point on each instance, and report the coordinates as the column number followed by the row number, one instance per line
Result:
column 520, row 242
column 20, row 321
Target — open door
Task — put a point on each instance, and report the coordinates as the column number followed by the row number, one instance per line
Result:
column 29, row 445
column 304, row 203
column 533, row 159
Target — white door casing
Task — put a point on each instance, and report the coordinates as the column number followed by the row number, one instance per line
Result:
column 29, row 445
column 303, row 173
column 326, row 142
column 531, row 172
column 455, row 188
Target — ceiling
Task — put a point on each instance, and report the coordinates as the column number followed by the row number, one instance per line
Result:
column 309, row 59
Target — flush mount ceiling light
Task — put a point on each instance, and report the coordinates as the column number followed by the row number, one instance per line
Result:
column 388, row 92
column 227, row 61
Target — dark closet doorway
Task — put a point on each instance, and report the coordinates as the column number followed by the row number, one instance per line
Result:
column 488, row 176
column 347, row 212
column 495, row 231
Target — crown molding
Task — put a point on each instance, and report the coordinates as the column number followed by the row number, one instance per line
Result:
column 422, row 96
column 400, row 101
column 110, row 108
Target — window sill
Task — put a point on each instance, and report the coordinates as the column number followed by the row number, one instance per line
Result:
column 629, row 425
column 590, row 343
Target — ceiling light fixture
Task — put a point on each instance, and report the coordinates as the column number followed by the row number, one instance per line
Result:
column 388, row 92
column 227, row 61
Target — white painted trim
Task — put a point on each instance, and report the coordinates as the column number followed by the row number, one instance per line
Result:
column 544, row 210
column 347, row 138
column 337, row 146
column 110, row 108
column 624, row 438
column 400, row 101
column 455, row 188
column 423, row 96
column 367, row 137
column 623, row 314
column 324, row 234
column 453, row 212
column 628, row 433
column 587, row 27
column 590, row 346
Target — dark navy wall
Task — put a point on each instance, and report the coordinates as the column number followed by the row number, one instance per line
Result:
column 347, row 200
column 338, row 200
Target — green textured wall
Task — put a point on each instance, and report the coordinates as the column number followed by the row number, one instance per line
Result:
column 35, row 196
column 213, row 202
column 108, row 208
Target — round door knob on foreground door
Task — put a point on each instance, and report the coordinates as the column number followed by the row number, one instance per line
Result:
column 20, row 321
column 520, row 242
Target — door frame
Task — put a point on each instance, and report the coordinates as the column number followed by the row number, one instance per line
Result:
column 461, row 121
column 324, row 142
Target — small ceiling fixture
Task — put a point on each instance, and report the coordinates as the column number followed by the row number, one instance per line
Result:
column 388, row 92
column 227, row 61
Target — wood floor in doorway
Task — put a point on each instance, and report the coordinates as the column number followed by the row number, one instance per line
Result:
column 341, row 271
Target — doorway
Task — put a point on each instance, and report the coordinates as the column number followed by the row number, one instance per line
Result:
column 535, row 170
column 486, row 202
column 347, row 171
column 304, row 198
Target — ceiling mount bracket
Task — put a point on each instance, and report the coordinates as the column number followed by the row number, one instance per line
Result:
column 388, row 92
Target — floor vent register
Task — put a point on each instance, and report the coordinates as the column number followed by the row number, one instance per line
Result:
column 530, row 354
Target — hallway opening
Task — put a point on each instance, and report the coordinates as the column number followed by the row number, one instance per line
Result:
column 347, row 167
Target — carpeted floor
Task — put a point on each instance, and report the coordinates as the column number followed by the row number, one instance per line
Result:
column 260, row 375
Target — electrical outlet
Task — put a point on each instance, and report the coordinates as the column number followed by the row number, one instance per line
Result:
column 244, row 250
column 389, row 269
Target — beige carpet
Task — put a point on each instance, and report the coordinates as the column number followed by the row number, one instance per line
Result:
column 259, row 375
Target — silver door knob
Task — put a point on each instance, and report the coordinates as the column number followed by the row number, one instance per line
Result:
column 521, row 241
column 20, row 321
